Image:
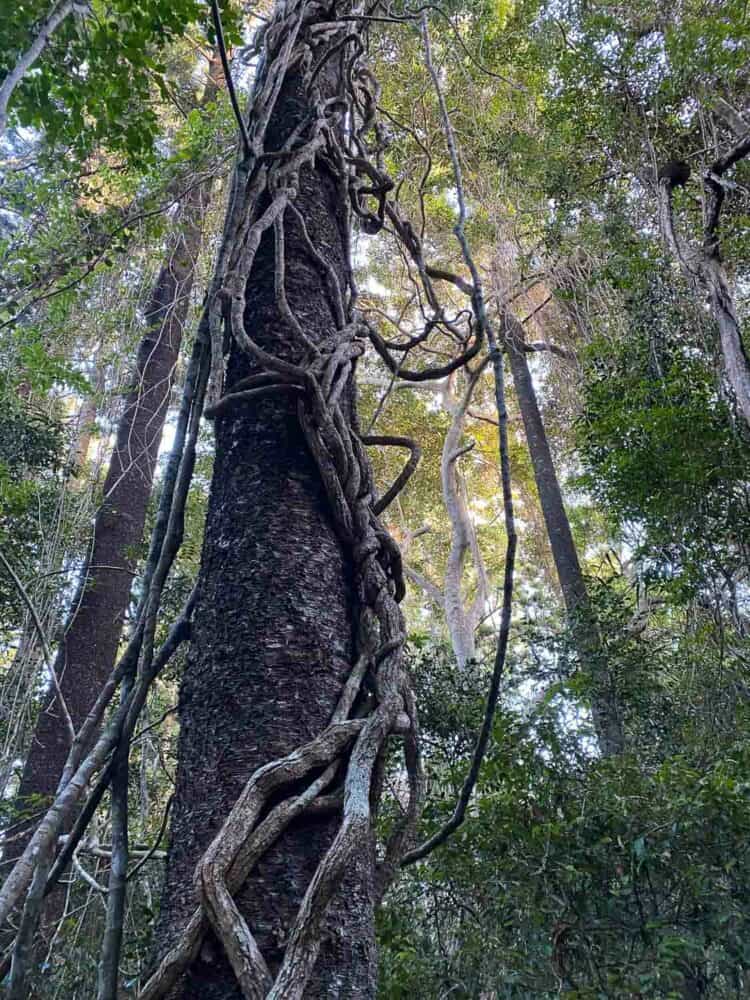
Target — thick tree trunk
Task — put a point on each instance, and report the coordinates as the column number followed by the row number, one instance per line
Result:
column 272, row 638
column 27, row 59
column 88, row 648
column 604, row 707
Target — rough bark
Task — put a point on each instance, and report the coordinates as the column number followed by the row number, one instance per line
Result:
column 606, row 716
column 88, row 647
column 272, row 638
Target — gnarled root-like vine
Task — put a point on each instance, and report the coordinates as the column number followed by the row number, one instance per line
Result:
column 348, row 751
column 341, row 768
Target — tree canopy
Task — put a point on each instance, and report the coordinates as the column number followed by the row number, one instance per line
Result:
column 475, row 275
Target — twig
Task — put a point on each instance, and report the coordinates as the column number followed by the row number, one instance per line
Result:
column 48, row 660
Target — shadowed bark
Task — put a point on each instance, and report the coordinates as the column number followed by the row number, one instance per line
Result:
column 272, row 637
column 87, row 650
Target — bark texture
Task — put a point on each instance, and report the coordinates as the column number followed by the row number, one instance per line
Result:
column 272, row 638
column 88, row 648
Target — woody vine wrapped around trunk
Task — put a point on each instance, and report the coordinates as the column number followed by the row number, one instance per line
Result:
column 297, row 620
column 296, row 679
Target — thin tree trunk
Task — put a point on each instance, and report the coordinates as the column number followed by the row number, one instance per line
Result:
column 26, row 60
column 604, row 707
column 88, row 647
column 461, row 616
column 706, row 275
column 705, row 270
column 272, row 637
column 736, row 363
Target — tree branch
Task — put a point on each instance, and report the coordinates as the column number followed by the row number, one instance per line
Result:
column 51, row 23
column 48, row 659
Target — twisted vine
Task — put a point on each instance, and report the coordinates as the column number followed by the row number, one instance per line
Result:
column 341, row 135
column 264, row 199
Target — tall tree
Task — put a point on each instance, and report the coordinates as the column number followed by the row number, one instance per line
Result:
column 88, row 647
column 279, row 619
column 604, row 708
column 304, row 166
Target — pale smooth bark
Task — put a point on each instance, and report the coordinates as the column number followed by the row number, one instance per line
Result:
column 26, row 60
column 462, row 616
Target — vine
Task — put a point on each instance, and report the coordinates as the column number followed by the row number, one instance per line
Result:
column 319, row 45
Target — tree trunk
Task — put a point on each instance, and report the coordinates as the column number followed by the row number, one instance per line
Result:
column 27, row 59
column 461, row 615
column 272, row 638
column 604, row 707
column 88, row 648
column 706, row 274
column 736, row 363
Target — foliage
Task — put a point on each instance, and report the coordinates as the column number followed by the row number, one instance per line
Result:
column 30, row 459
column 574, row 875
column 658, row 440
column 97, row 80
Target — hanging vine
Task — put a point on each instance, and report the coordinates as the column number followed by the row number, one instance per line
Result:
column 319, row 44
